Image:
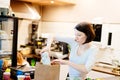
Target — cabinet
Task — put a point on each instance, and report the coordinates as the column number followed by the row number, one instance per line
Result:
column 8, row 37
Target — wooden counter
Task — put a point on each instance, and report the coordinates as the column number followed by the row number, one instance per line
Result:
column 105, row 69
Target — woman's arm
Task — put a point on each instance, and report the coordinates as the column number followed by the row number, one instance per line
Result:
column 80, row 67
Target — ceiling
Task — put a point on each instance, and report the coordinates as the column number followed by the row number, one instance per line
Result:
column 24, row 10
column 51, row 2
column 27, row 9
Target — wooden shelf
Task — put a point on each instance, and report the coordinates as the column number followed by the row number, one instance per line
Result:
column 50, row 2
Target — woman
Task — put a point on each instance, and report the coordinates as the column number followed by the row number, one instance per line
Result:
column 82, row 53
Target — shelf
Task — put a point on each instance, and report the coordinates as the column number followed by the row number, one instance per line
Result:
column 5, row 39
column 4, row 55
column 9, row 23
column 51, row 2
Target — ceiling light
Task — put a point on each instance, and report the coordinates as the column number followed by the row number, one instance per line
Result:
column 51, row 2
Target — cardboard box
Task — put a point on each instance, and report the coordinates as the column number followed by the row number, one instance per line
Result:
column 50, row 72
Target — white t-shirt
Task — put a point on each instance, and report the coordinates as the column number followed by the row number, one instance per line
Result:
column 87, row 58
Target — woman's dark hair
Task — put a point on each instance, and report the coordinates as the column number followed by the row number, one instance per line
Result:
column 86, row 28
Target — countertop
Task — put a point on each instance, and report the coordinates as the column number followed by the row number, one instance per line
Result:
column 105, row 68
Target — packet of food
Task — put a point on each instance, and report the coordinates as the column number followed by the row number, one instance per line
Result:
column 45, row 59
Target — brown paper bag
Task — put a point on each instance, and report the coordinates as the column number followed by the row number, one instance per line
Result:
column 50, row 72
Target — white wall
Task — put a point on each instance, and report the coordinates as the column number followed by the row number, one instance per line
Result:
column 23, row 33
column 57, row 19
column 114, row 29
column 58, row 27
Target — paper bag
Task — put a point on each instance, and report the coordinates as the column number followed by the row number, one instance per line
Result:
column 50, row 72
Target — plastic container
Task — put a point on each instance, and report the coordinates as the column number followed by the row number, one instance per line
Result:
column 6, row 76
column 20, row 77
column 45, row 58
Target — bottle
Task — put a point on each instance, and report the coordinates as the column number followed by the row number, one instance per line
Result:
column 27, row 76
column 6, row 76
column 33, row 62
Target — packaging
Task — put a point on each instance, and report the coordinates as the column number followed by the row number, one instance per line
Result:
column 15, row 72
column 50, row 72
column 6, row 75
column 45, row 58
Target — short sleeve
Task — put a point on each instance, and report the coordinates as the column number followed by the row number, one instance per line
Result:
column 91, row 59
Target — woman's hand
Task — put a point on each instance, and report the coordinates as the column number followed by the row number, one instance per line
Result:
column 60, row 61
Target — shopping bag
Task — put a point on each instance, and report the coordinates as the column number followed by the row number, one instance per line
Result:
column 50, row 72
